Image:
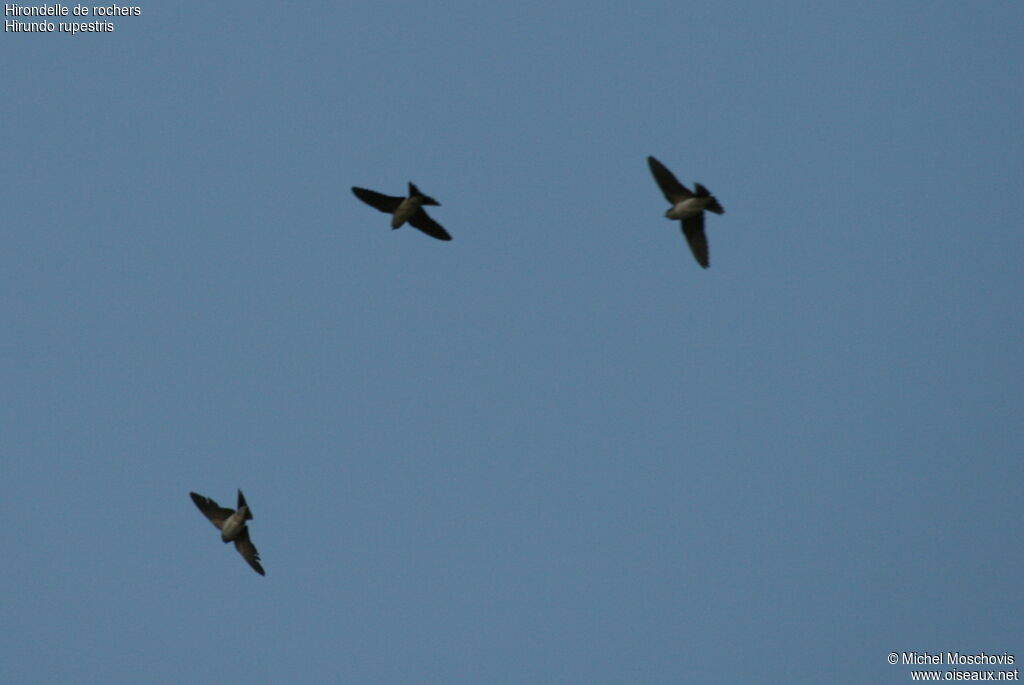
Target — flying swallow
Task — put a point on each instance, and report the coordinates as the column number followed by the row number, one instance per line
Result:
column 232, row 526
column 404, row 209
column 687, row 207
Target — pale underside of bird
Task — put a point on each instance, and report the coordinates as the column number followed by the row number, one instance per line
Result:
column 688, row 207
column 405, row 209
column 231, row 524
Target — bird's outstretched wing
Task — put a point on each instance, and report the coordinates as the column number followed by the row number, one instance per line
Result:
column 422, row 221
column 211, row 510
column 384, row 203
column 673, row 190
column 248, row 551
column 693, row 229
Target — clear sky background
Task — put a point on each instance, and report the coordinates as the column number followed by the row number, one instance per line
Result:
column 554, row 450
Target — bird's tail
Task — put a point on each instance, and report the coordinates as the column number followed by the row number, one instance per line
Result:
column 712, row 205
column 414, row 191
column 241, row 503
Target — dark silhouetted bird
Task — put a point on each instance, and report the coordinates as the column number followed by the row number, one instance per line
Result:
column 404, row 209
column 232, row 526
column 688, row 207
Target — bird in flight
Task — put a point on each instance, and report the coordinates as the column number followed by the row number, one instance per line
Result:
column 404, row 209
column 688, row 207
column 231, row 524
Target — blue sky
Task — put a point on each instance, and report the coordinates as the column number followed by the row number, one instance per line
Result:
column 554, row 450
